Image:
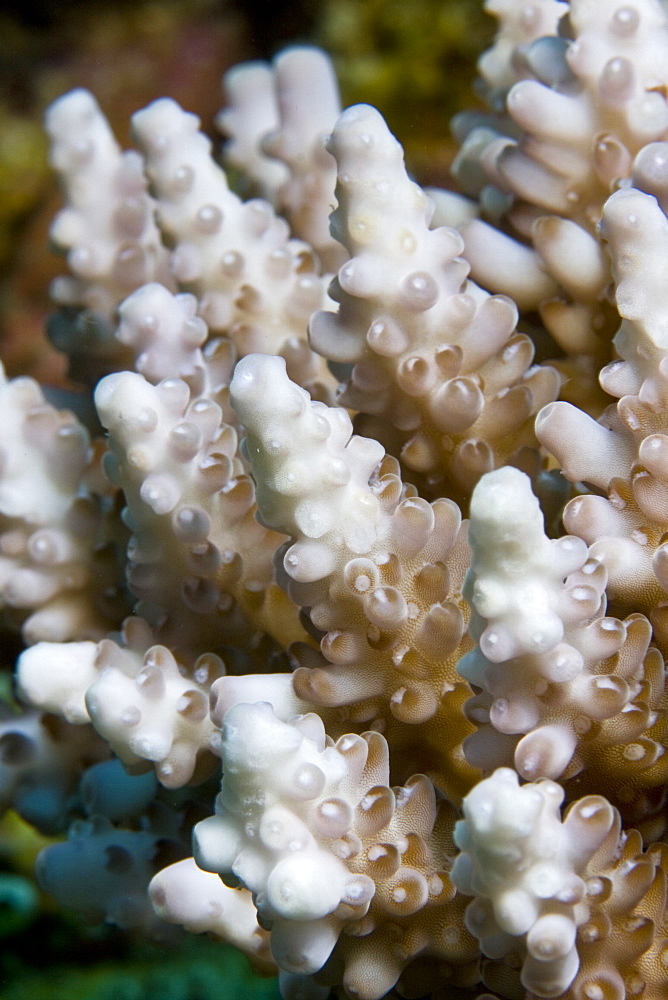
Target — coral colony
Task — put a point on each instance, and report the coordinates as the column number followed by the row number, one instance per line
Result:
column 371, row 521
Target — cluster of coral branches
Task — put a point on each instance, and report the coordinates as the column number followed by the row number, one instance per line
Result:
column 368, row 515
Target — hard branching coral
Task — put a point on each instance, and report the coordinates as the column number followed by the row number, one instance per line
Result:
column 434, row 356
column 187, row 493
column 581, row 135
column 622, row 453
column 163, row 331
column 551, row 892
column 200, row 902
column 563, row 687
column 524, row 867
column 334, row 857
column 443, row 745
column 592, row 99
column 149, row 708
column 112, row 243
column 378, row 568
column 124, row 830
column 504, row 63
column 249, row 114
column 254, row 283
column 292, row 107
column 58, row 568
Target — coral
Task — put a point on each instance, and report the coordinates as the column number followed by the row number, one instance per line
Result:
column 271, row 682
column 58, row 571
column 434, row 356
column 538, row 887
column 626, row 530
column 378, row 569
column 253, row 282
column 112, row 244
column 563, row 688
column 299, row 106
column 591, row 99
column 184, row 894
column 187, row 492
column 326, row 846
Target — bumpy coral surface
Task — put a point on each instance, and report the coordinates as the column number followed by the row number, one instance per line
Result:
column 377, row 569
column 563, row 686
column 276, row 685
column 58, row 574
column 326, row 846
column 434, row 356
column 254, row 283
column 549, row 892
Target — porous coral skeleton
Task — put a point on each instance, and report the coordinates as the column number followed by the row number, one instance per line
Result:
column 443, row 742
